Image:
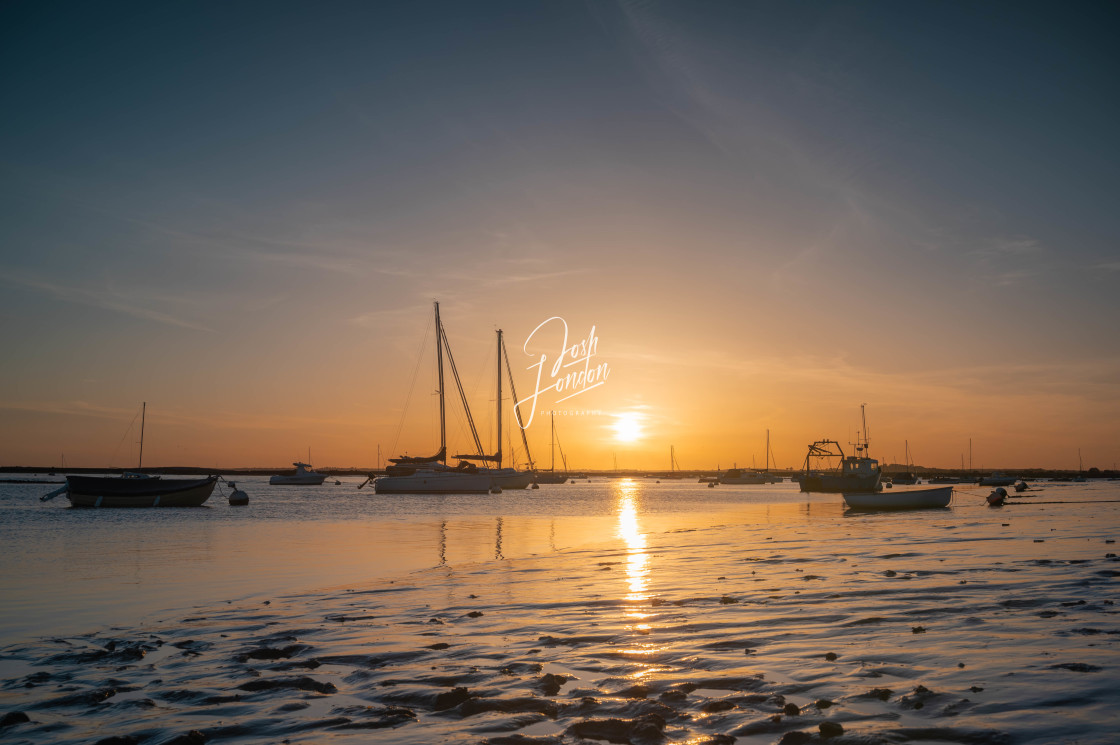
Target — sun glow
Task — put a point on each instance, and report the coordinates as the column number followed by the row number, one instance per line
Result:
column 628, row 427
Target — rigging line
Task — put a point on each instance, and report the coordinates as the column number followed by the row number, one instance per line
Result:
column 126, row 433
column 459, row 385
column 412, row 385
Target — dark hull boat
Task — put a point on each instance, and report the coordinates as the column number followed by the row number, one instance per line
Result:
column 856, row 473
column 125, row 491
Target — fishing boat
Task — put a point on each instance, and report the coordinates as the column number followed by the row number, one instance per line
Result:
column 855, row 473
column 900, row 499
column 135, row 489
column 305, row 475
column 432, row 475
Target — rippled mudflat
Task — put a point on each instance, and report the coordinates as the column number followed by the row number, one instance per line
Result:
column 779, row 623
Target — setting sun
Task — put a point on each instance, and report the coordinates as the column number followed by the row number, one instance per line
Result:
column 627, row 427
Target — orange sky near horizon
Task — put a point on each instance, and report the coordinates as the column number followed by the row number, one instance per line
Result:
column 770, row 213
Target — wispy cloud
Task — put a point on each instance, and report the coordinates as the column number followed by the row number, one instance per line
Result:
column 104, row 298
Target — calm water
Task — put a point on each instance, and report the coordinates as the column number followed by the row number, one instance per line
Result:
column 65, row 570
column 620, row 611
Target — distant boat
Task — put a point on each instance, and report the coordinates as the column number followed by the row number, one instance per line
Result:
column 135, row 489
column 900, row 499
column 304, row 476
column 432, row 475
column 1080, row 476
column 674, row 473
column 551, row 476
column 740, row 476
column 908, row 476
column 997, row 479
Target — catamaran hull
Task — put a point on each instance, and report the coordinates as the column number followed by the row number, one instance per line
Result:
column 433, row 483
column 91, row 491
column 901, row 499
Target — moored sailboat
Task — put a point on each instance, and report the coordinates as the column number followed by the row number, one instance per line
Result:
column 552, row 476
column 740, row 476
column 135, row 489
column 432, row 475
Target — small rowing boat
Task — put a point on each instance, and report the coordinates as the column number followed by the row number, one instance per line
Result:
column 900, row 499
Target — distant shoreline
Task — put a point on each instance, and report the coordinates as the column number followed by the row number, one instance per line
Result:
column 888, row 471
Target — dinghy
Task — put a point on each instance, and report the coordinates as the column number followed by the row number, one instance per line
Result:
column 900, row 499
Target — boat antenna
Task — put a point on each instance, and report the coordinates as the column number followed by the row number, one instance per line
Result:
column 143, row 414
column 863, row 414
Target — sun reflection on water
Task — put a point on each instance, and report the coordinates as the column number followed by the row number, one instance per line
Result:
column 629, row 530
column 636, row 611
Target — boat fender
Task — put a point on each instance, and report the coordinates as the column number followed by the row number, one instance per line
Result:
column 995, row 499
column 237, row 497
column 495, row 489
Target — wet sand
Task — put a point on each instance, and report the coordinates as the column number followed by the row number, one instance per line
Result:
column 793, row 623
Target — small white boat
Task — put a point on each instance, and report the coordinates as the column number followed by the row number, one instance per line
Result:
column 304, row 476
column 901, row 499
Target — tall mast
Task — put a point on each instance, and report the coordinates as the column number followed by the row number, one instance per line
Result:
column 552, row 445
column 517, row 409
column 500, row 399
column 143, row 414
column 439, row 367
column 768, row 451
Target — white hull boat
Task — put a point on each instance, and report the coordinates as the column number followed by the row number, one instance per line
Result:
column 900, row 499
column 304, row 476
column 431, row 481
column 508, row 478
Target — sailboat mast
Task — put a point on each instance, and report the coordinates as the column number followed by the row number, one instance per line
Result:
column 552, row 445
column 768, row 451
column 143, row 414
column 517, row 409
column 499, row 370
column 439, row 367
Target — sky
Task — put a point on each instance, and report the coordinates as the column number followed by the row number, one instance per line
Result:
column 770, row 213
